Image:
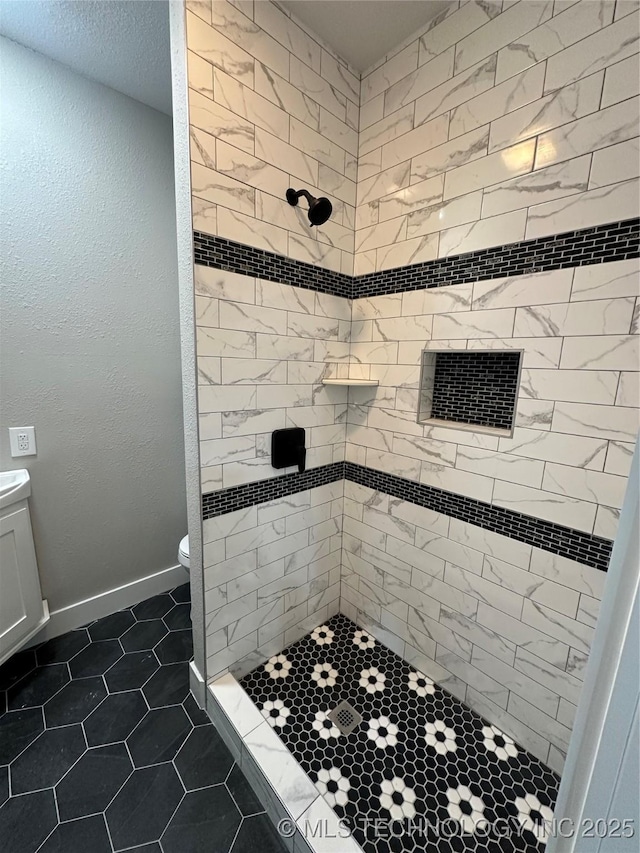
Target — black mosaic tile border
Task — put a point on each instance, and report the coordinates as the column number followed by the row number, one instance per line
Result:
column 615, row 241
column 565, row 541
column 240, row 497
column 224, row 254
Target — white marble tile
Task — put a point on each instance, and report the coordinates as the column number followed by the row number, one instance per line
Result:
column 474, row 324
column 280, row 92
column 390, row 72
column 205, row 215
column 293, row 786
column 343, row 135
column 249, row 36
column 523, row 635
column 593, row 53
column 222, row 190
column 371, row 111
column 316, row 87
column 492, row 169
column 415, row 142
column 501, row 31
column 223, row 342
column 200, row 74
column 597, row 130
column 339, row 77
column 286, row 31
column 459, row 89
column 601, row 352
column 563, row 30
column 252, row 232
column 220, row 122
column 407, row 252
column 222, row 284
column 615, row 164
column 538, row 503
column 497, row 101
column 495, row 231
column 450, row 155
column 461, row 482
column 203, row 147
column 553, row 447
column 502, row 466
column 532, row 586
column 522, row 684
column 629, row 390
column 411, row 198
column 577, row 386
column 606, row 523
column 251, row 422
column 581, row 322
column 219, row 51
column 455, row 27
column 612, row 422
column 604, row 281
column 621, row 81
column 387, row 129
column 419, row 82
column 547, row 184
column 514, row 291
column 593, row 486
column 238, row 707
column 444, row 215
column 562, row 106
column 548, row 677
column 286, row 157
column 316, row 145
column 568, row 631
column 217, row 451
column 534, row 414
column 619, row 457
column 486, row 685
column 437, row 300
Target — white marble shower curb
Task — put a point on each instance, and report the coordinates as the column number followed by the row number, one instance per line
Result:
column 305, row 821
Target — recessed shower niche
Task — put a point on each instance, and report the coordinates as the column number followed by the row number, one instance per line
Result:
column 470, row 388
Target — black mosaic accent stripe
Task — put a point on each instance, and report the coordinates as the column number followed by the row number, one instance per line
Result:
column 565, row 541
column 615, row 241
column 226, row 255
column 240, row 497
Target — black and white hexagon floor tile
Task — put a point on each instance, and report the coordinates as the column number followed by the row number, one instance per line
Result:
column 419, row 756
column 103, row 749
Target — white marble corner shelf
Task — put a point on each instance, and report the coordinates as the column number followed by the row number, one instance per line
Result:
column 352, row 383
column 299, row 797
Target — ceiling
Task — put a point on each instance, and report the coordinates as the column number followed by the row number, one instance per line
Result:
column 363, row 31
column 122, row 44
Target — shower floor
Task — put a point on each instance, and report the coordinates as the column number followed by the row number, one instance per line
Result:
column 421, row 771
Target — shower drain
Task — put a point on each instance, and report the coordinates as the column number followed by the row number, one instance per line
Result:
column 345, row 717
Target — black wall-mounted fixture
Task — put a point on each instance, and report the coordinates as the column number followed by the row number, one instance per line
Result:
column 287, row 448
column 320, row 209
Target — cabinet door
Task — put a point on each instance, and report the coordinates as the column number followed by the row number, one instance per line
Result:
column 22, row 610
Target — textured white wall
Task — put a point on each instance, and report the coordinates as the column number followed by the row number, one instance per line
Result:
column 90, row 342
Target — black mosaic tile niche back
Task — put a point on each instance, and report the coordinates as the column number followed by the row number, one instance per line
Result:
column 471, row 387
column 419, row 761
column 615, row 241
column 565, row 541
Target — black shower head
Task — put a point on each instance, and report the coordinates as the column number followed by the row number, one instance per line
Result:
column 319, row 208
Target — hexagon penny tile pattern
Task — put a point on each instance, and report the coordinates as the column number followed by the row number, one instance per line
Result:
column 103, row 748
column 421, row 771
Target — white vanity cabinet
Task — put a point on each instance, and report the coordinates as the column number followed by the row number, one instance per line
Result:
column 22, row 609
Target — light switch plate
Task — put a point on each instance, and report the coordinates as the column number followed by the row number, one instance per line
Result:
column 22, row 441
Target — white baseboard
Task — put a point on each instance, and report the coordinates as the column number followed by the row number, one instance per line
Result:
column 78, row 614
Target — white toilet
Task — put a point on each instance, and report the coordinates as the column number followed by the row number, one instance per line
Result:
column 183, row 552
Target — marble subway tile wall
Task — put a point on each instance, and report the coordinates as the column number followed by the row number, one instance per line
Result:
column 271, row 106
column 271, row 574
column 504, row 626
column 500, row 122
